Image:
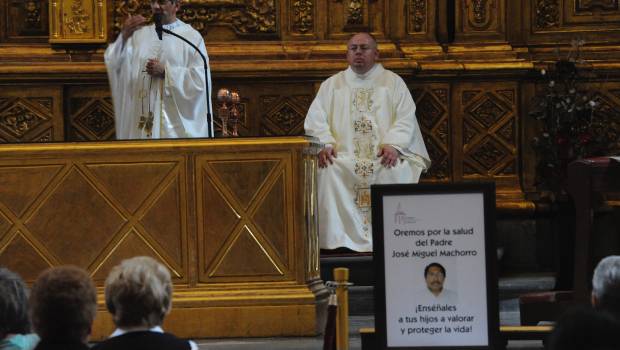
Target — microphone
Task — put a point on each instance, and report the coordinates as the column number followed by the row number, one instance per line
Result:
column 158, row 26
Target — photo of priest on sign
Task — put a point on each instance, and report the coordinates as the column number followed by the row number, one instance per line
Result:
column 435, row 276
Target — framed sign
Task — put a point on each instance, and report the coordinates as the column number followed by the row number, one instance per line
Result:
column 435, row 261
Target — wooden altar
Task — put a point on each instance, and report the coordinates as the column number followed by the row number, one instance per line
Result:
column 233, row 220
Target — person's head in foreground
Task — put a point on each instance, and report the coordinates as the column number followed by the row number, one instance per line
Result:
column 606, row 285
column 585, row 329
column 435, row 275
column 362, row 52
column 63, row 305
column 138, row 293
column 14, row 320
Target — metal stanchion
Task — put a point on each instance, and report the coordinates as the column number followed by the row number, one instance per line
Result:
column 341, row 275
column 329, row 338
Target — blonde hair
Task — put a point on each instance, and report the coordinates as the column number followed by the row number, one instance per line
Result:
column 138, row 292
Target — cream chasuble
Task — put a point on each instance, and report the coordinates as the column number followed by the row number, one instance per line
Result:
column 174, row 106
column 357, row 114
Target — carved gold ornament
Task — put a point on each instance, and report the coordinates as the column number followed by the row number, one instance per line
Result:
column 78, row 21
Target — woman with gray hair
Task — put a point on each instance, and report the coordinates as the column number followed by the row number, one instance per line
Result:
column 138, row 294
column 606, row 285
column 14, row 321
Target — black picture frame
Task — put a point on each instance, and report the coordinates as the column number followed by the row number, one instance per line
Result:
column 487, row 190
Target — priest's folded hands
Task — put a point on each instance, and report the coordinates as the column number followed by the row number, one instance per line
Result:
column 155, row 68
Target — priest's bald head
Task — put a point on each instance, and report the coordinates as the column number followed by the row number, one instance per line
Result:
column 362, row 52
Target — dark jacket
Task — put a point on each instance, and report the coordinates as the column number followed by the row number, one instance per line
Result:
column 143, row 340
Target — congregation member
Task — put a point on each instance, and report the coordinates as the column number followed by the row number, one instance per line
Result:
column 63, row 305
column 365, row 117
column 585, row 329
column 14, row 321
column 606, row 285
column 158, row 85
column 138, row 294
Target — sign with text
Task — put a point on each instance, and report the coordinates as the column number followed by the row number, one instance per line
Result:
column 435, row 258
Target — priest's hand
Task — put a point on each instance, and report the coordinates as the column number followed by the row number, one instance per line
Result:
column 326, row 155
column 131, row 24
column 389, row 156
column 155, row 68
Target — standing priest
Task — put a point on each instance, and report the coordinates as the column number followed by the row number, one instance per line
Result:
column 158, row 85
column 365, row 116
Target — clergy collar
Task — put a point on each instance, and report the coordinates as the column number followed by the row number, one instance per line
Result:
column 372, row 72
column 173, row 25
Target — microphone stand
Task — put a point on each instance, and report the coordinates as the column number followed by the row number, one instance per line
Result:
column 204, row 60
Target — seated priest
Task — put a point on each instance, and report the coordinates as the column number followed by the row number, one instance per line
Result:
column 158, row 84
column 365, row 117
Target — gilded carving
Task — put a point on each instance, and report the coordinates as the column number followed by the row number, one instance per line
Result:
column 97, row 121
column 283, row 116
column 244, row 16
column 507, row 132
column 76, row 23
column 442, row 95
column 304, row 20
column 417, row 12
column 547, row 14
column 594, row 5
column 430, row 111
column 33, row 13
column 488, row 154
column 18, row 120
column 439, row 167
column 467, row 96
column 442, row 132
column 355, row 15
column 479, row 13
column 508, row 94
column 469, row 132
column 609, row 114
column 509, row 169
column 44, row 137
column 43, row 102
column 286, row 117
column 488, row 112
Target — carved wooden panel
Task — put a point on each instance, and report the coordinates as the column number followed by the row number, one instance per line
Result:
column 93, row 213
column 30, row 114
column 351, row 16
column 302, row 19
column 488, row 117
column 90, row 114
column 420, row 19
column 229, row 19
column 78, row 21
column 548, row 20
column 241, row 237
column 284, row 115
column 478, row 20
column 433, row 114
column 24, row 21
column 270, row 109
column 607, row 114
column 94, row 204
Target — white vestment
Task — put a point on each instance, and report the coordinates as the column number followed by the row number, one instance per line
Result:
column 356, row 114
column 174, row 106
